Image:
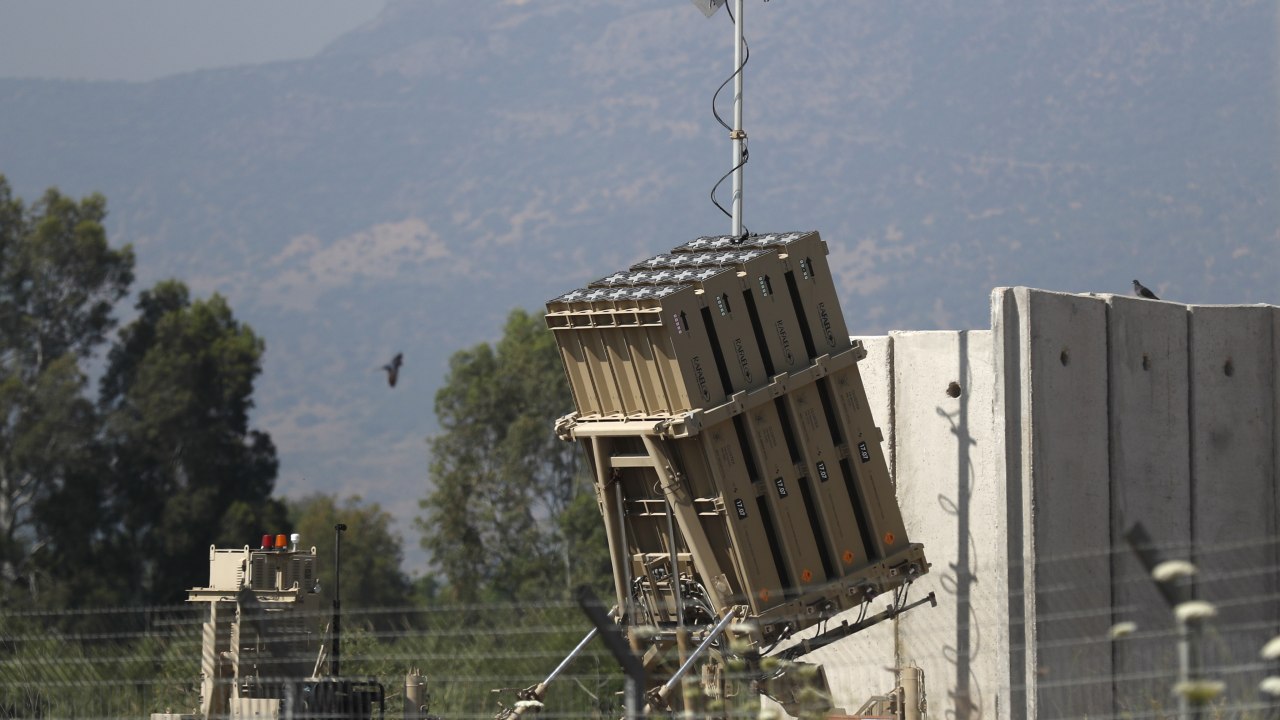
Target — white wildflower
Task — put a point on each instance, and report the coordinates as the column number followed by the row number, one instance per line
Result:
column 1123, row 629
column 1193, row 610
column 1271, row 651
column 1170, row 570
column 1200, row 691
column 1270, row 686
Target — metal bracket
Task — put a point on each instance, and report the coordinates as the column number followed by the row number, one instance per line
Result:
column 845, row 630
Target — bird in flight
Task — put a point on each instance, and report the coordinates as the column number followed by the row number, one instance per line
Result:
column 1142, row 291
column 393, row 369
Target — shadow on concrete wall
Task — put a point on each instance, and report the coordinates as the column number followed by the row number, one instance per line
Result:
column 966, row 695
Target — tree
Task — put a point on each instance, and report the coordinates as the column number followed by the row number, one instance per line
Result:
column 59, row 281
column 186, row 466
column 118, row 501
column 371, row 551
column 498, row 521
column 584, row 535
column 60, row 278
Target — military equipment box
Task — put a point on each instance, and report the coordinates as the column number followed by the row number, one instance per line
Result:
column 720, row 405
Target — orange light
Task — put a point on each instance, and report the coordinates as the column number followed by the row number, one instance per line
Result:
column 282, row 541
column 888, row 538
column 805, row 575
column 764, row 595
column 847, row 557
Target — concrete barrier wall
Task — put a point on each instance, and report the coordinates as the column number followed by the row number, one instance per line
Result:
column 942, row 381
column 1233, row 526
column 944, row 398
column 1150, row 481
column 1072, row 418
column 1067, row 488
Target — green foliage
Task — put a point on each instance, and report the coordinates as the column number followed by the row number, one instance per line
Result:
column 61, row 450
column 128, row 664
column 583, row 529
column 499, row 519
column 176, row 397
column 117, row 502
column 244, row 523
column 59, row 281
column 371, row 552
column 476, row 657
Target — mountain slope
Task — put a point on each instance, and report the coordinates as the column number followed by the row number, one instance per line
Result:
column 407, row 186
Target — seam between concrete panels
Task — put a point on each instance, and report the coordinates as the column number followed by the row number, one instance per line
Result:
column 1009, row 360
column 1114, row 540
column 1190, row 459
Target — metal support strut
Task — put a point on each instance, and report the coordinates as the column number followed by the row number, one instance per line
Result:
column 660, row 697
column 533, row 697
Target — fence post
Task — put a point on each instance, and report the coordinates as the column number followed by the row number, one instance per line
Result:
column 621, row 649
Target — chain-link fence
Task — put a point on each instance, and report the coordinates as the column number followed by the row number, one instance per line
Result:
column 1096, row 645
column 1082, row 635
column 130, row 662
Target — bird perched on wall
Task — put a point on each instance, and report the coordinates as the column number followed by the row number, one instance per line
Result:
column 393, row 369
column 1143, row 291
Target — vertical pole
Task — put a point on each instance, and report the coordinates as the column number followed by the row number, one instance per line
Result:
column 619, row 506
column 335, row 667
column 614, row 523
column 631, row 692
column 621, row 650
column 738, row 136
column 912, row 679
column 1194, row 630
column 676, row 595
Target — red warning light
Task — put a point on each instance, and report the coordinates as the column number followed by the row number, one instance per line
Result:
column 266, row 542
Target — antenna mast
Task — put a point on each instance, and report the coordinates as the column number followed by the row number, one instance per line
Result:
column 737, row 134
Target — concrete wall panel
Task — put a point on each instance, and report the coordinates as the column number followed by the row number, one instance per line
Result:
column 1233, row 376
column 861, row 666
column 1150, row 484
column 1066, row 363
column 1082, row 416
column 1009, row 324
column 938, row 434
column 952, row 496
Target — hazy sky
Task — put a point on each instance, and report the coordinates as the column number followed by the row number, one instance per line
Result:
column 146, row 39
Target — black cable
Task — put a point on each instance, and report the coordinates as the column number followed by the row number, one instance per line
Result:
column 900, row 595
column 746, row 55
column 786, row 633
column 717, row 202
